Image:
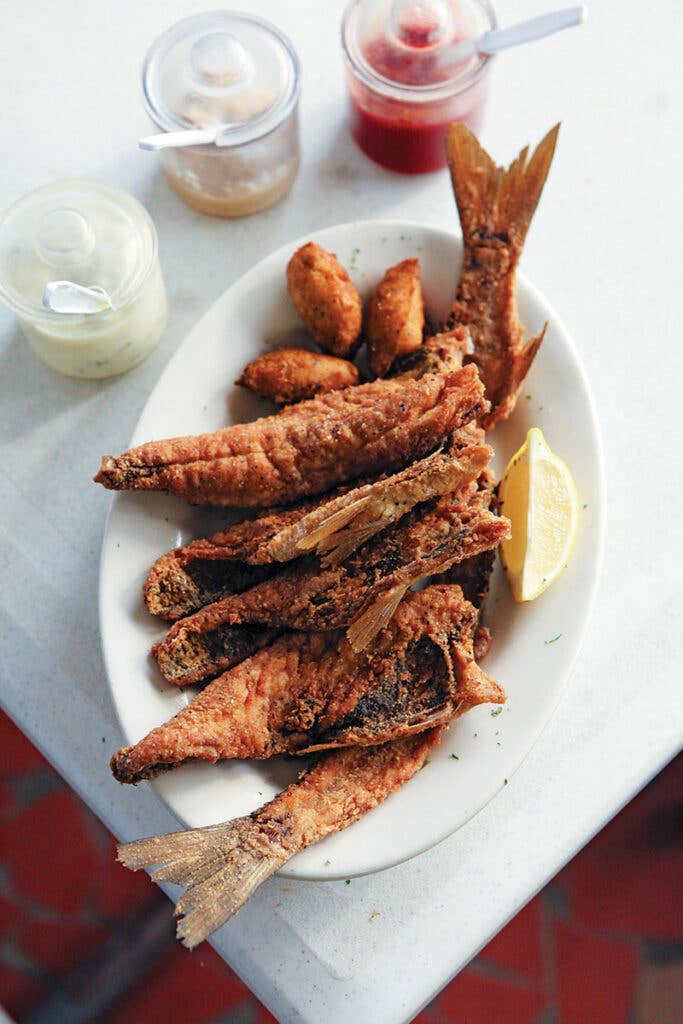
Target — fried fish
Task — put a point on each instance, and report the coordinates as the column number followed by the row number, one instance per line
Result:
column 495, row 207
column 311, row 691
column 364, row 590
column 204, row 571
column 306, row 448
column 221, row 866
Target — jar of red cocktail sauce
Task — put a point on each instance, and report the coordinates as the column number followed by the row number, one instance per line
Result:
column 405, row 84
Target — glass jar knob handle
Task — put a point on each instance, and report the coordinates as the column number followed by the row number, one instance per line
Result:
column 421, row 23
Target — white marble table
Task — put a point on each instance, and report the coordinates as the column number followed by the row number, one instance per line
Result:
column 605, row 248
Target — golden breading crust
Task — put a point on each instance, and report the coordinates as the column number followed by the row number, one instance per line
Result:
column 395, row 316
column 306, row 448
column 289, row 375
column 326, row 299
column 364, row 590
column 311, row 691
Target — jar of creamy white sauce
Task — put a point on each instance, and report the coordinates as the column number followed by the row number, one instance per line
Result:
column 83, row 236
column 240, row 74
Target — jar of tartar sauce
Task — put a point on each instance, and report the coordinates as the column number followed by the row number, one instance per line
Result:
column 226, row 69
column 83, row 234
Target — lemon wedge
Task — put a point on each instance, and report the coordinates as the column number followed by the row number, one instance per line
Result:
column 538, row 496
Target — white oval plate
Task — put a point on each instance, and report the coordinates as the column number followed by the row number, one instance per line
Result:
column 534, row 645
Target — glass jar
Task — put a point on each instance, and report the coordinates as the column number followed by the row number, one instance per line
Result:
column 93, row 236
column 404, row 89
column 236, row 71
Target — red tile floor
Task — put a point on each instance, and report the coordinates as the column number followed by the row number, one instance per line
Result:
column 602, row 944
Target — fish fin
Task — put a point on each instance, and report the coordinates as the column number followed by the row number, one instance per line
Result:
column 340, row 545
column 520, row 365
column 219, row 867
column 375, row 617
column 297, row 539
column 475, row 686
column 524, row 359
column 491, row 200
column 333, row 524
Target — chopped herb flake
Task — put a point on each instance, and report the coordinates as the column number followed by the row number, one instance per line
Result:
column 546, row 642
column 505, row 782
column 347, row 882
column 455, row 757
column 496, row 711
column 584, row 506
column 328, row 861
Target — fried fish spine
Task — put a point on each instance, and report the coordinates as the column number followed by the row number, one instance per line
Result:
column 288, row 375
column 495, row 207
column 326, row 299
column 395, row 316
column 306, row 448
column 221, row 866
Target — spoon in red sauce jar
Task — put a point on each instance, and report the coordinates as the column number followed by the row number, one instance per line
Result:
column 404, row 88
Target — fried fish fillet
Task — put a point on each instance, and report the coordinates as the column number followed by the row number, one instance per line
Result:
column 442, row 353
column 306, row 448
column 221, row 866
column 495, row 207
column 473, row 575
column 204, row 571
column 364, row 590
column 311, row 691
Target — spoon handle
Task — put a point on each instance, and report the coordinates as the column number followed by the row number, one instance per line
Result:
column 172, row 140
column 535, row 28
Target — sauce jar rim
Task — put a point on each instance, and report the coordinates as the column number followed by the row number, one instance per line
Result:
column 446, row 89
column 35, row 312
column 260, row 126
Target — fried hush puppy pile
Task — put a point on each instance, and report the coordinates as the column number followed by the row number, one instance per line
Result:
column 300, row 623
column 330, row 307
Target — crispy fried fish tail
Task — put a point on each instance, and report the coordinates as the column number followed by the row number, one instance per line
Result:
column 491, row 200
column 221, row 866
column 495, row 207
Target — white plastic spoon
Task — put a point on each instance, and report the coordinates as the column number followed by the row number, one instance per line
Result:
column 516, row 35
column 68, row 297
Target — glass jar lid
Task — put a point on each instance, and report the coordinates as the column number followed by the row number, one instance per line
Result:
column 221, row 68
column 404, row 47
column 77, row 230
